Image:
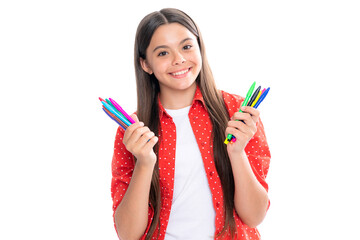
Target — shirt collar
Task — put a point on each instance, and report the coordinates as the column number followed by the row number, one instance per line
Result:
column 197, row 97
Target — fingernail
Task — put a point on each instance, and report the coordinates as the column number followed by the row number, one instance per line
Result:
column 141, row 124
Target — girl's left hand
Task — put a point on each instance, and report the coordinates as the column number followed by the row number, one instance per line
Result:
column 243, row 131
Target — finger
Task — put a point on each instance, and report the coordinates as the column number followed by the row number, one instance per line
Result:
column 138, row 133
column 145, row 138
column 235, row 132
column 131, row 129
column 255, row 114
column 245, row 118
column 134, row 117
column 151, row 143
column 246, row 128
column 244, row 132
column 238, row 125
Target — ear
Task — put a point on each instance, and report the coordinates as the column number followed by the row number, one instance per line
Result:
column 145, row 66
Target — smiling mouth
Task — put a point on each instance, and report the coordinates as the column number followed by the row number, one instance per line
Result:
column 183, row 72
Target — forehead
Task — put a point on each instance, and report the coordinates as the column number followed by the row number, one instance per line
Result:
column 170, row 34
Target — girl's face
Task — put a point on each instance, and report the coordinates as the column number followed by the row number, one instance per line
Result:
column 174, row 57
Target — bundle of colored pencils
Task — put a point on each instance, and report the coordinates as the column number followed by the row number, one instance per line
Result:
column 252, row 99
column 116, row 113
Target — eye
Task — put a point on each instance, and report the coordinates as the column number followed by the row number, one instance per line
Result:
column 187, row 47
column 163, row 53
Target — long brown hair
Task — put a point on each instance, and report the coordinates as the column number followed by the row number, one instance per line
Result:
column 148, row 109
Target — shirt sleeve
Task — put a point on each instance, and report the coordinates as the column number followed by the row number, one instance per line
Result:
column 122, row 169
column 257, row 150
column 258, row 154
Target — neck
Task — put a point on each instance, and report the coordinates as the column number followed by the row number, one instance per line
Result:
column 176, row 99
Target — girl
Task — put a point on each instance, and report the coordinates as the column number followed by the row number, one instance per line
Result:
column 173, row 176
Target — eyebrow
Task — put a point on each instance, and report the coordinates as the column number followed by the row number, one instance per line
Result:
column 164, row 46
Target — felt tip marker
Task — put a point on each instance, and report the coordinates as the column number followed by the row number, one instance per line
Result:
column 262, row 97
column 114, row 119
column 118, row 107
column 108, row 107
column 248, row 95
column 253, row 97
column 256, row 99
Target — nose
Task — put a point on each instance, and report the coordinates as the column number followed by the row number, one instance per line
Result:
column 178, row 59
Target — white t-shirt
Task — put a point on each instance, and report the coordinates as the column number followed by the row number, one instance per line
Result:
column 192, row 213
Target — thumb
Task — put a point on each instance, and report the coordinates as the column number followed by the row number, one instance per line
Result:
column 134, row 117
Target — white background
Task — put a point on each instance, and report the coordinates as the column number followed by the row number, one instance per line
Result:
column 58, row 57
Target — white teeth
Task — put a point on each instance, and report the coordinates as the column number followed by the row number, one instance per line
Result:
column 180, row 73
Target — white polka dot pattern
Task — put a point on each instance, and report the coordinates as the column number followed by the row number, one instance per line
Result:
column 257, row 151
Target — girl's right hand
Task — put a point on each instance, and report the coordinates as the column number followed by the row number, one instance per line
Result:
column 139, row 140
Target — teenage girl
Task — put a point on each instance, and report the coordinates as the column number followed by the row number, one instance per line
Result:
column 173, row 176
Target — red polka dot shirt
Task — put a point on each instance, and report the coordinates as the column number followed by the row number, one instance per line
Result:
column 257, row 151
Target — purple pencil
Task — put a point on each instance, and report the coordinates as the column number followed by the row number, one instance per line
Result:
column 121, row 110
